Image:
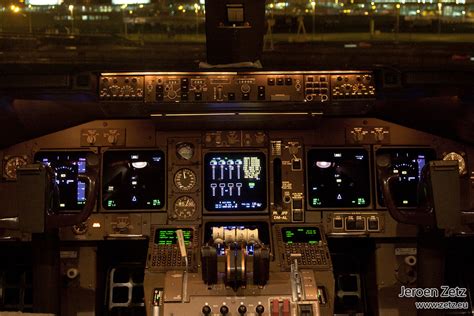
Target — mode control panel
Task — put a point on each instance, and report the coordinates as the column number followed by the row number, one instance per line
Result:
column 217, row 87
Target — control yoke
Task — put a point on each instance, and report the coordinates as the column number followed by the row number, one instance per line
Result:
column 423, row 215
column 38, row 203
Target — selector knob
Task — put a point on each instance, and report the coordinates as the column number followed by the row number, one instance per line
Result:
column 224, row 310
column 245, row 88
column 242, row 309
column 206, row 310
column 260, row 309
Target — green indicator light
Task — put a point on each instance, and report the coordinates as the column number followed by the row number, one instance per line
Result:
column 316, row 201
column 111, row 203
column 360, row 201
column 156, row 202
column 251, row 185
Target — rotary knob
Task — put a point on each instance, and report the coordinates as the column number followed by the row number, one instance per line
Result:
column 245, row 88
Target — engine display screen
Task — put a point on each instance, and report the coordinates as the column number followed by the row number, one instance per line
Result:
column 67, row 166
column 262, row 227
column 167, row 236
column 235, row 181
column 309, row 235
column 338, row 178
column 133, row 179
column 408, row 164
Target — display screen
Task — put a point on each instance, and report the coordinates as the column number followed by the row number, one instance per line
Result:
column 235, row 181
column 133, row 179
column 262, row 227
column 67, row 166
column 309, row 235
column 338, row 178
column 167, row 236
column 408, row 164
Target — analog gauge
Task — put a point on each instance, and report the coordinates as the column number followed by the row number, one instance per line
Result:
column 184, row 207
column 185, row 151
column 459, row 158
column 11, row 164
column 185, row 179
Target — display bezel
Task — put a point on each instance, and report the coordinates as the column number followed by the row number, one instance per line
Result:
column 165, row 181
column 376, row 180
column 235, row 151
column 369, row 157
column 87, row 151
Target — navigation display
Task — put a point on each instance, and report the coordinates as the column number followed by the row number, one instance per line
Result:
column 133, row 179
column 235, row 181
column 67, row 166
column 338, row 178
column 309, row 235
column 408, row 163
column 262, row 227
column 167, row 236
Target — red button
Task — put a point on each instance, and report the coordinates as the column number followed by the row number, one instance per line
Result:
column 286, row 308
column 275, row 308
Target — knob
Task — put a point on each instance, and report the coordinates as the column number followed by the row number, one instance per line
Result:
column 245, row 88
column 206, row 310
column 260, row 309
column 242, row 309
column 224, row 310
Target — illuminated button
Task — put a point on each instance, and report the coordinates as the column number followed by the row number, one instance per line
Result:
column 360, row 224
column 184, row 96
column 338, row 223
column 296, row 164
column 261, row 92
column 310, row 79
column 288, row 81
column 231, row 96
column 198, row 96
column 373, row 224
column 350, row 223
column 280, row 81
column 297, row 204
column 245, row 96
column 271, row 81
column 322, row 79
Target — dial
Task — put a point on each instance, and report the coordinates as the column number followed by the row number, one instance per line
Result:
column 459, row 158
column 185, row 179
column 184, row 207
column 11, row 164
column 185, row 151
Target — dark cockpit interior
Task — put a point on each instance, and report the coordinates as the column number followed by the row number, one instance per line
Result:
column 228, row 178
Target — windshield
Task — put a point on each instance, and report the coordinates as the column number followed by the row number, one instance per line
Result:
column 118, row 30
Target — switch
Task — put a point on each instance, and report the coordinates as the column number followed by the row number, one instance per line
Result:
column 338, row 223
column 198, row 96
column 288, row 81
column 261, row 93
column 231, row 96
column 260, row 309
column 271, row 81
column 184, row 96
column 360, row 224
column 245, row 96
column 224, row 310
column 206, row 310
column 297, row 216
column 184, row 85
column 296, row 164
column 305, row 310
column 373, row 224
column 350, row 223
column 310, row 79
column 280, row 81
column 242, row 310
column 286, row 308
column 297, row 204
column 275, row 308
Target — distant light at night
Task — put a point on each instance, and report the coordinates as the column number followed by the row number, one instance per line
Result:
column 120, row 2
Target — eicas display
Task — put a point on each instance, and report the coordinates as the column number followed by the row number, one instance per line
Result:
column 67, row 166
column 235, row 181
column 133, row 180
column 338, row 178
